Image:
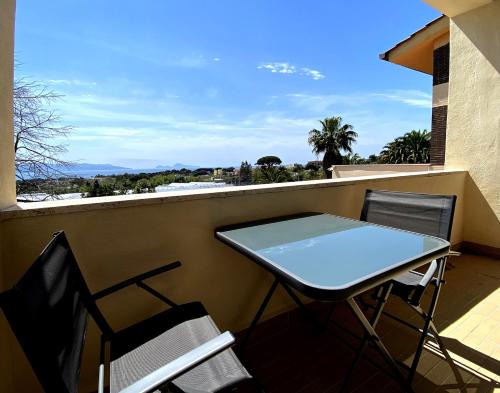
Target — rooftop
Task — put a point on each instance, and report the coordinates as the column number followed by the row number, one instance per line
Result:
column 415, row 52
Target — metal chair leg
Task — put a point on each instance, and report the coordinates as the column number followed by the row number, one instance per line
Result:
column 375, row 339
column 370, row 335
column 427, row 319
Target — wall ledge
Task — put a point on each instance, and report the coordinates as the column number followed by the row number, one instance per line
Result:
column 30, row 209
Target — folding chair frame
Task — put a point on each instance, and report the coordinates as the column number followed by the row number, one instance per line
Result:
column 161, row 376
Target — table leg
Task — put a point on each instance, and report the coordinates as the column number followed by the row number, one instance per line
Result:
column 373, row 337
column 301, row 305
column 259, row 313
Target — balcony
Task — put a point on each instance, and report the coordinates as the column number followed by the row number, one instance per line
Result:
column 117, row 237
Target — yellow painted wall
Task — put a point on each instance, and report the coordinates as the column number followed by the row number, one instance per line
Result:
column 473, row 129
column 7, row 180
column 116, row 243
column 7, row 174
column 348, row 171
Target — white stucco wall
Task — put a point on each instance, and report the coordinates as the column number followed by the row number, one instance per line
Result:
column 473, row 129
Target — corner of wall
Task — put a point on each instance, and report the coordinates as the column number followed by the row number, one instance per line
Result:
column 473, row 125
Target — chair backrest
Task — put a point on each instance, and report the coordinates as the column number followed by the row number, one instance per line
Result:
column 47, row 310
column 421, row 213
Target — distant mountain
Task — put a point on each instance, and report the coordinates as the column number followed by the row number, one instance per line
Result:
column 88, row 171
column 177, row 166
column 93, row 167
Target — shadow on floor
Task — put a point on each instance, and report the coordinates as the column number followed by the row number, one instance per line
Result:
column 288, row 354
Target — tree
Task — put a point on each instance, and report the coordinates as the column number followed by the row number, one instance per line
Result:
column 143, row 186
column 37, row 131
column 297, row 168
column 268, row 161
column 97, row 189
column 269, row 170
column 352, row 159
column 333, row 138
column 411, row 148
column 313, row 166
column 245, row 173
column 274, row 174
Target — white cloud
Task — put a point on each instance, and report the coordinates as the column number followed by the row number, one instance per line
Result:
column 325, row 102
column 410, row 97
column 71, row 82
column 315, row 74
column 216, row 59
column 280, row 68
column 113, row 128
column 287, row 68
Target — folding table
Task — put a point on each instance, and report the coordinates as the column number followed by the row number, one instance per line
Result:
column 332, row 258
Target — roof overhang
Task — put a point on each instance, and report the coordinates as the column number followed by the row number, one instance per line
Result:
column 453, row 8
column 416, row 51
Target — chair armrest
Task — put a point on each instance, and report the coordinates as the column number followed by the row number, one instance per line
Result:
column 429, row 274
column 422, row 285
column 134, row 280
column 181, row 365
column 100, row 386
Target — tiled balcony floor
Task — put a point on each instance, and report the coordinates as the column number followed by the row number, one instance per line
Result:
column 288, row 355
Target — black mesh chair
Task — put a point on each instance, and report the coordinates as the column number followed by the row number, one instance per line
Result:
column 422, row 213
column 180, row 349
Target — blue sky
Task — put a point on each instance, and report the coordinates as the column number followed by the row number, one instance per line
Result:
column 215, row 82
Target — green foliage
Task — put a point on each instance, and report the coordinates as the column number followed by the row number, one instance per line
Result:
column 265, row 175
column 313, row 175
column 161, row 179
column 245, row 173
column 97, row 189
column 333, row 138
column 268, row 161
column 352, row 159
column 143, row 186
column 313, row 166
column 411, row 148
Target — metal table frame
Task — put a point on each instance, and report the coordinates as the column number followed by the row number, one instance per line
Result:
column 347, row 295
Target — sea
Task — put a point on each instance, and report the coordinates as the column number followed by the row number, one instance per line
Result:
column 91, row 173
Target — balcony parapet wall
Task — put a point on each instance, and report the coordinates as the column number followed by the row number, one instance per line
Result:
column 115, row 238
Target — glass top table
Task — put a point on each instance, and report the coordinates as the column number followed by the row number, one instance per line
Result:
column 328, row 257
column 333, row 258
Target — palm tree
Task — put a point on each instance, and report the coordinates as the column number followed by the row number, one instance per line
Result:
column 333, row 138
column 411, row 148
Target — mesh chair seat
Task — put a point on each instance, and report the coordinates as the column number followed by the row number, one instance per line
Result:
column 213, row 375
column 142, row 348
